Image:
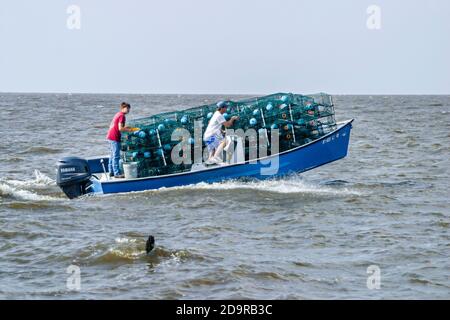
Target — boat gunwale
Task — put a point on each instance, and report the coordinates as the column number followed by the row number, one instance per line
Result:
column 344, row 124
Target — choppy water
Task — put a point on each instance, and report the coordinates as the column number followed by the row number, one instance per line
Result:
column 309, row 236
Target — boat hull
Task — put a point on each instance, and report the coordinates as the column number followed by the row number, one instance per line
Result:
column 329, row 148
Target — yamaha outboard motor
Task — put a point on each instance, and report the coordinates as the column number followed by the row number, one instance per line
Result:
column 73, row 176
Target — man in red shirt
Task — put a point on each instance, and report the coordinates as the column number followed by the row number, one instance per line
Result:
column 116, row 127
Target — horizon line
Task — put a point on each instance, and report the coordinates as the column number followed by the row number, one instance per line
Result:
column 216, row 94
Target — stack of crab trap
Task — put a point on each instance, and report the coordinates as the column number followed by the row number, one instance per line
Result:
column 296, row 120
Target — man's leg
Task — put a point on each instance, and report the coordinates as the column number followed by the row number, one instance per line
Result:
column 219, row 150
column 111, row 157
column 116, row 157
column 229, row 148
column 210, row 145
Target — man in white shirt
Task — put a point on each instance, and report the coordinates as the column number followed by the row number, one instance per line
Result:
column 213, row 136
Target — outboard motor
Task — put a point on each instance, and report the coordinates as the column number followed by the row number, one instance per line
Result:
column 73, row 176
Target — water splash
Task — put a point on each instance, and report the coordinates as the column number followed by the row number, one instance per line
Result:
column 130, row 250
column 125, row 240
column 290, row 185
column 40, row 180
column 7, row 191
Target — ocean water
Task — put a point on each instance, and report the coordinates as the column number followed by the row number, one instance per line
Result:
column 306, row 236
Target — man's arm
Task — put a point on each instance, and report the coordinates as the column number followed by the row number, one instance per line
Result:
column 230, row 122
column 123, row 128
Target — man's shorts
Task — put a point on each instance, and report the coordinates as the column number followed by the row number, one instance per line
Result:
column 213, row 142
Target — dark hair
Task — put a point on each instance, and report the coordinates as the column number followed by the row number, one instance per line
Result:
column 124, row 105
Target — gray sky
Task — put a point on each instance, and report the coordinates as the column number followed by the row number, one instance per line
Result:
column 225, row 46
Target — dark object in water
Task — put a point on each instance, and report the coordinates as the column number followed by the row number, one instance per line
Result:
column 150, row 244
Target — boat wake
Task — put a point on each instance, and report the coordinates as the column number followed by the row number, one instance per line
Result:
column 291, row 185
column 24, row 189
column 7, row 191
column 40, row 181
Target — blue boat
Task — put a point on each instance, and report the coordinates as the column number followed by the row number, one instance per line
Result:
column 77, row 177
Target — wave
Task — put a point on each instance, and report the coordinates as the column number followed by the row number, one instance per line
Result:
column 7, row 191
column 335, row 183
column 129, row 250
column 40, row 180
column 394, row 184
column 290, row 185
column 40, row 150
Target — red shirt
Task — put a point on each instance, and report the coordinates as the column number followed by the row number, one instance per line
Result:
column 113, row 132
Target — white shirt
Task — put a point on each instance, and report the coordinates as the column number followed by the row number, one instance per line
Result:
column 214, row 126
